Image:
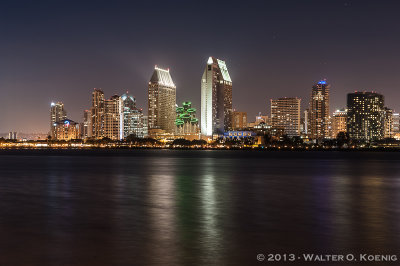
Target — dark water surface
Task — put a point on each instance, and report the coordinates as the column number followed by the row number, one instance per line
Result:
column 161, row 207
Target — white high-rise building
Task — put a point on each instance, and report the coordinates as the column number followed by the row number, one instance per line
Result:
column 216, row 98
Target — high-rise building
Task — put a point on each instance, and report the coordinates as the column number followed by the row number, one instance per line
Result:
column 396, row 123
column 97, row 114
column 339, row 122
column 106, row 116
column 239, row 120
column 285, row 114
column 365, row 111
column 216, row 98
column 187, row 124
column 113, row 118
column 12, row 135
column 306, row 122
column 388, row 128
column 133, row 121
column 161, row 101
column 319, row 111
column 86, row 131
column 57, row 114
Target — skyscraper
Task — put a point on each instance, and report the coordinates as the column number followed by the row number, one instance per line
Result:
column 133, row 121
column 388, row 124
column 365, row 111
column 113, row 118
column 57, row 114
column 86, row 127
column 285, row 114
column 396, row 125
column 216, row 98
column 319, row 111
column 97, row 114
column 161, row 101
column 306, row 122
column 339, row 122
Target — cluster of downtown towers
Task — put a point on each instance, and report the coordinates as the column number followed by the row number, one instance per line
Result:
column 366, row 117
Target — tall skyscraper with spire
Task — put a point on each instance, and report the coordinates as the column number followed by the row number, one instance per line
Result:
column 216, row 98
column 319, row 111
column 161, row 101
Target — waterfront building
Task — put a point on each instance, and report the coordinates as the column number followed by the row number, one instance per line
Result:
column 161, row 101
column 339, row 122
column 57, row 114
column 388, row 124
column 187, row 124
column 97, row 114
column 66, row 129
column 239, row 120
column 365, row 111
column 306, row 123
column 285, row 114
column 238, row 134
column 396, row 126
column 216, row 98
column 105, row 117
column 145, row 126
column 319, row 111
column 133, row 119
column 86, row 125
column 113, row 118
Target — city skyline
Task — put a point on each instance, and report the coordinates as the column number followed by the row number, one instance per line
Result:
column 274, row 52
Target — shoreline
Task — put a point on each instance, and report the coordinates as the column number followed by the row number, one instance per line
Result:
column 110, row 149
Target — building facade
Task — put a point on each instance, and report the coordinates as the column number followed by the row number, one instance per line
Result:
column 339, row 122
column 396, row 125
column 57, row 114
column 388, row 128
column 113, row 118
column 67, row 130
column 366, row 116
column 86, row 131
column 133, row 120
column 239, row 120
column 318, row 112
column 216, row 98
column 97, row 114
column 285, row 114
column 161, row 101
column 106, row 117
column 12, row 135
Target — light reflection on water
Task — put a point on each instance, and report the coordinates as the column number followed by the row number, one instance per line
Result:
column 194, row 207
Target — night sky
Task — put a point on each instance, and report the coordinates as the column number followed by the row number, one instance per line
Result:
column 61, row 50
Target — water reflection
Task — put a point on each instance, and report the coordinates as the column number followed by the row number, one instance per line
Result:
column 162, row 210
column 211, row 233
column 195, row 208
